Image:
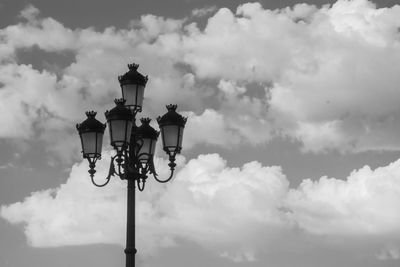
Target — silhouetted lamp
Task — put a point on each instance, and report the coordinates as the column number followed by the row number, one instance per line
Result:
column 171, row 126
column 147, row 138
column 132, row 86
column 120, row 121
column 91, row 132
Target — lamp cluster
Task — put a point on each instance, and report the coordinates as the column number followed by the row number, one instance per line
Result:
column 134, row 146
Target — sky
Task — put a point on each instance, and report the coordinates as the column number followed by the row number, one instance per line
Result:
column 290, row 154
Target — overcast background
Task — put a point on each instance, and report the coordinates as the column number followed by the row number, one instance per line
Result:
column 290, row 151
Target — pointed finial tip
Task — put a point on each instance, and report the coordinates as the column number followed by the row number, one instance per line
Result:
column 145, row 120
column 91, row 114
column 171, row 107
column 119, row 101
column 133, row 66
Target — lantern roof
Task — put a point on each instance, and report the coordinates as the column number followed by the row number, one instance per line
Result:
column 146, row 131
column 133, row 76
column 91, row 124
column 119, row 112
column 172, row 117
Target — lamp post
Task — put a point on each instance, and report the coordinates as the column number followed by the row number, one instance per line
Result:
column 134, row 145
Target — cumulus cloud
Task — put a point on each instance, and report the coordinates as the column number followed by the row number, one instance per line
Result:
column 239, row 119
column 330, row 73
column 202, row 12
column 333, row 69
column 55, row 217
column 190, row 208
column 22, row 92
column 364, row 203
column 236, row 212
column 45, row 105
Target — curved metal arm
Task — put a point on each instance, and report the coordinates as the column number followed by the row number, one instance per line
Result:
column 171, row 167
column 111, row 172
column 100, row 185
column 166, row 180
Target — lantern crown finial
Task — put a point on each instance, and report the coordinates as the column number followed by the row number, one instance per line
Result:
column 133, row 76
column 91, row 124
column 172, row 117
column 133, row 66
column 171, row 107
column 145, row 130
column 119, row 111
column 145, row 120
column 91, row 114
column 119, row 101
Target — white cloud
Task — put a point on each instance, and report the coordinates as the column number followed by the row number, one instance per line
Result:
column 43, row 105
column 70, row 214
column 236, row 212
column 239, row 119
column 330, row 66
column 202, row 12
column 208, row 128
column 331, row 73
column 23, row 98
column 190, row 207
column 48, row 34
column 363, row 204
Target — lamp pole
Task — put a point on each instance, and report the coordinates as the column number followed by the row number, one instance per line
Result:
column 130, row 249
column 134, row 146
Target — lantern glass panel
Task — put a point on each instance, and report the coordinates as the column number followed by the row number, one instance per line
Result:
column 147, row 149
column 99, row 142
column 133, row 94
column 170, row 136
column 180, row 136
column 120, row 132
column 91, row 144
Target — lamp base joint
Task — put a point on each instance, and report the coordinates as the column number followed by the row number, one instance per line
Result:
column 130, row 250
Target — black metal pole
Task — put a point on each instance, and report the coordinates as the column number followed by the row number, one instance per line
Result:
column 130, row 249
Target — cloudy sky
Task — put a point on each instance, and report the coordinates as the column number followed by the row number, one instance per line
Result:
column 291, row 150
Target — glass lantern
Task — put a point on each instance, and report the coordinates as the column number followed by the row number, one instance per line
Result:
column 172, row 125
column 120, row 121
column 146, row 137
column 91, row 132
column 132, row 86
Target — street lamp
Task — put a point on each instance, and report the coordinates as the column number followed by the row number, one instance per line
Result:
column 134, row 146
